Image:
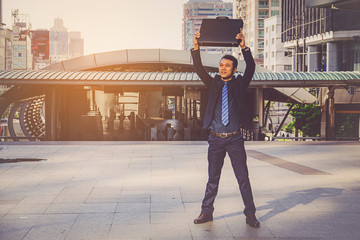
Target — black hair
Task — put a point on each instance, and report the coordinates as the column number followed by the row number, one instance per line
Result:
column 231, row 58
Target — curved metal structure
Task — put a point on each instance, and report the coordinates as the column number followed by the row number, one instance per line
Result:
column 102, row 78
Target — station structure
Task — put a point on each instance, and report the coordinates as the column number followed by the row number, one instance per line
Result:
column 70, row 100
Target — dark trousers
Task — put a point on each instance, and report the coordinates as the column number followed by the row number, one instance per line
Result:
column 218, row 147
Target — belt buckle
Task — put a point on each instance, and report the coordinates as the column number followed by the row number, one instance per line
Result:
column 223, row 135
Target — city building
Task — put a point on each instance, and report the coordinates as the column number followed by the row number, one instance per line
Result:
column 76, row 44
column 5, row 48
column 40, row 48
column 277, row 58
column 56, row 45
column 322, row 39
column 59, row 42
column 197, row 10
column 254, row 13
column 21, row 41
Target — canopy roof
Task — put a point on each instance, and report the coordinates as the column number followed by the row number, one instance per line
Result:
column 260, row 79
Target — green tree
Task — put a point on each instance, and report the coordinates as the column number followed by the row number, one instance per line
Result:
column 289, row 127
column 307, row 119
column 347, row 125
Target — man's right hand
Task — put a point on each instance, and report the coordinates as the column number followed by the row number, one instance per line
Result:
column 196, row 44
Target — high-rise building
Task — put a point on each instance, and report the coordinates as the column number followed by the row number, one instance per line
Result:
column 63, row 44
column 5, row 48
column 76, row 44
column 40, row 48
column 59, row 42
column 21, row 41
column 197, row 10
column 276, row 57
column 322, row 39
column 253, row 13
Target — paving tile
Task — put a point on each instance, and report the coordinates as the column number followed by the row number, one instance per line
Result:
column 131, row 231
column 53, row 227
column 133, row 207
column 29, row 208
column 82, row 208
column 211, row 230
column 167, row 207
column 131, row 218
column 154, row 191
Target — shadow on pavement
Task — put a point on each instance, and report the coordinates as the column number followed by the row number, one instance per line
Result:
column 293, row 199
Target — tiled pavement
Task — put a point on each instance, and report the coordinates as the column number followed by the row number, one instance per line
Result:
column 153, row 190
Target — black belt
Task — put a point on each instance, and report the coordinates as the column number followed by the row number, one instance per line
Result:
column 224, row 135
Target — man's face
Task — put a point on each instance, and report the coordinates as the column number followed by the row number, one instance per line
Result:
column 226, row 70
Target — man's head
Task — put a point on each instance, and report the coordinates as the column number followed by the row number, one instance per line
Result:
column 227, row 68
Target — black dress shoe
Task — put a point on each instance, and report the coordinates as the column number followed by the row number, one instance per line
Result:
column 252, row 221
column 203, row 218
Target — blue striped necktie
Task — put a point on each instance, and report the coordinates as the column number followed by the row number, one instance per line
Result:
column 225, row 106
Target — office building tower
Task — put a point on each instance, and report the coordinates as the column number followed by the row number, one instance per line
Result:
column 5, row 48
column 40, row 48
column 197, row 10
column 21, row 41
column 276, row 57
column 59, row 42
column 76, row 44
column 253, row 13
column 322, row 39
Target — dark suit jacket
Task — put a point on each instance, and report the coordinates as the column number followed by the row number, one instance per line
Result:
column 237, row 86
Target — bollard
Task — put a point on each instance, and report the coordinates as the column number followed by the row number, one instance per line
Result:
column 187, row 134
column 153, row 134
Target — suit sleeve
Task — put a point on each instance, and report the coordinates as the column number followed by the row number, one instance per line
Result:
column 199, row 68
column 250, row 67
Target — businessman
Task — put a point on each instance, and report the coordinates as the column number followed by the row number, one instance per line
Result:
column 226, row 113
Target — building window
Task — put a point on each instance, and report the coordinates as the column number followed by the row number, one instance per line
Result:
column 272, row 54
column 261, row 54
column 287, row 54
column 261, row 44
column 287, row 68
column 266, row 42
column 263, row 4
column 266, row 55
column 274, row 12
column 263, row 14
column 272, row 41
column 261, row 33
column 272, row 67
column 275, row 3
column 272, row 28
column 261, row 23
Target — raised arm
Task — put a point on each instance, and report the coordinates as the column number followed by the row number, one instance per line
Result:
column 249, row 60
column 198, row 67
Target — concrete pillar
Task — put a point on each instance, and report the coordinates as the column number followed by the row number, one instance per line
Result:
column 331, row 112
column 259, row 111
column 50, row 114
column 313, row 58
column 294, row 56
column 331, row 57
column 359, row 128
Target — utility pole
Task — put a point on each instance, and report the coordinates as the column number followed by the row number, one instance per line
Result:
column 304, row 42
column 297, row 45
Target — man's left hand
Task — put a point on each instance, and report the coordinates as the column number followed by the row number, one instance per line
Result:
column 242, row 38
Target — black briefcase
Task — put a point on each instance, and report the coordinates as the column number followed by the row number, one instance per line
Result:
column 220, row 32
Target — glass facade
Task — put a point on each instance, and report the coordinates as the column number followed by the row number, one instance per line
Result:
column 263, row 14
column 195, row 12
column 19, row 57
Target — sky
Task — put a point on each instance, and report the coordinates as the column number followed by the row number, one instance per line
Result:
column 108, row 25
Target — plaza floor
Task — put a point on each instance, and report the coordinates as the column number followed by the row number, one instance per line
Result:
column 153, row 190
